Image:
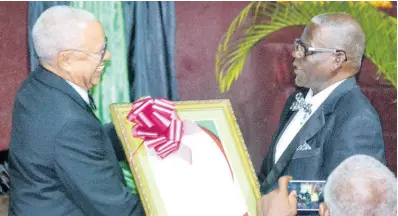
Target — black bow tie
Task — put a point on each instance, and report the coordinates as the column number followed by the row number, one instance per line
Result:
column 92, row 103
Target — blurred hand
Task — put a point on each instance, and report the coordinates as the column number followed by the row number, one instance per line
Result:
column 279, row 202
column 323, row 210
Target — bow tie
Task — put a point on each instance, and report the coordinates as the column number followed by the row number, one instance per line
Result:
column 301, row 104
column 92, row 103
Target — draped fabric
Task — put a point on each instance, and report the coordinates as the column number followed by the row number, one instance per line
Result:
column 35, row 8
column 128, row 14
column 152, row 49
column 114, row 86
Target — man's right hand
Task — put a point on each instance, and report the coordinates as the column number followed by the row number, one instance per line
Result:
column 279, row 202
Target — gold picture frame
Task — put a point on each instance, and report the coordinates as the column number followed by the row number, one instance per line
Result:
column 214, row 116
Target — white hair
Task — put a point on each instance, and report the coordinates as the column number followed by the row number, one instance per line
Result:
column 59, row 28
column 361, row 186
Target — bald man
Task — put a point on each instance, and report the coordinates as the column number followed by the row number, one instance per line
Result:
column 329, row 119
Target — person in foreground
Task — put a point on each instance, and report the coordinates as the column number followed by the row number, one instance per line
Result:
column 61, row 159
column 278, row 202
column 330, row 118
column 359, row 186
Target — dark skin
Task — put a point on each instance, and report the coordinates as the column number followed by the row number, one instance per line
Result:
column 322, row 69
column 318, row 71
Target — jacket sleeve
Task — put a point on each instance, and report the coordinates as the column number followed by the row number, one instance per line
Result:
column 90, row 177
column 359, row 134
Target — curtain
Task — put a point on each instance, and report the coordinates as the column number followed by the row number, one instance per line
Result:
column 152, row 54
column 114, row 85
column 150, row 32
column 35, row 8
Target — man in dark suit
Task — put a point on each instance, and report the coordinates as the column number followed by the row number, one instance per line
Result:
column 61, row 160
column 329, row 119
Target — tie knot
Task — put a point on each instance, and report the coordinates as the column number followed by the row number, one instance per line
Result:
column 300, row 103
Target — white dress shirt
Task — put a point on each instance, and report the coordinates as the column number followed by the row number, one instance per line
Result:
column 81, row 91
column 301, row 118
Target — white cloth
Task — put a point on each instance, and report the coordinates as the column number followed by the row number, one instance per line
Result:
column 301, row 118
column 205, row 187
column 81, row 91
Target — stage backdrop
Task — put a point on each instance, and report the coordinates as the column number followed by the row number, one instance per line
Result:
column 261, row 91
column 257, row 97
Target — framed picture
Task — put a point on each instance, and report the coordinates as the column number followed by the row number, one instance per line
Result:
column 219, row 179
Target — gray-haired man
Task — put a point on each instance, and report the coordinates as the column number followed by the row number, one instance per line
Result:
column 61, row 160
column 360, row 186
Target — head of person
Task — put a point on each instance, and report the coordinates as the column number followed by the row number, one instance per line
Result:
column 360, row 186
column 329, row 50
column 71, row 43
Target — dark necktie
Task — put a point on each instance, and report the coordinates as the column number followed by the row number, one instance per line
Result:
column 92, row 103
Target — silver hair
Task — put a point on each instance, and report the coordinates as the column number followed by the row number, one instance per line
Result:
column 345, row 32
column 59, row 28
column 361, row 186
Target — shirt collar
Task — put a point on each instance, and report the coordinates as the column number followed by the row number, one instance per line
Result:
column 81, row 91
column 318, row 99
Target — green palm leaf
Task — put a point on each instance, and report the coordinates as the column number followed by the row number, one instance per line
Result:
column 259, row 19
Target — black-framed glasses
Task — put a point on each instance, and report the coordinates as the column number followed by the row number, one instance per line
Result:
column 302, row 50
column 100, row 53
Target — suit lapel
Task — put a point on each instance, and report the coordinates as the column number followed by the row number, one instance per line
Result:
column 286, row 117
column 280, row 134
column 54, row 81
column 311, row 127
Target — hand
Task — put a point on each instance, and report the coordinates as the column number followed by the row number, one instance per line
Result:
column 279, row 202
column 323, row 210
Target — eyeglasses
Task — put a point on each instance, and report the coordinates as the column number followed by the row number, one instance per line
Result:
column 303, row 50
column 101, row 53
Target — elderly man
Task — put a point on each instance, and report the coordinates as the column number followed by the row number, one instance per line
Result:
column 360, row 185
column 61, row 160
column 329, row 119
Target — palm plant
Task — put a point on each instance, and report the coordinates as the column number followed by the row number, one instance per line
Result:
column 259, row 19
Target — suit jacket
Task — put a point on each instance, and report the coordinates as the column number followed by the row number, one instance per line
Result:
column 61, row 160
column 344, row 125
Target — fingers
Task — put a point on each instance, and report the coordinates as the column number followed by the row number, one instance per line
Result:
column 323, row 210
column 283, row 183
column 293, row 198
